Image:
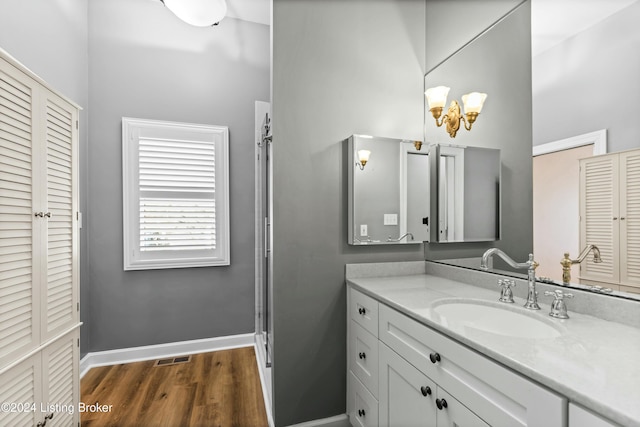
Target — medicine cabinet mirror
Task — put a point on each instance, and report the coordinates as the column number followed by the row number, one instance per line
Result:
column 388, row 191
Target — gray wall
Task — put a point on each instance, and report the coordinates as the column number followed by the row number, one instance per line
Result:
column 498, row 63
column 481, row 193
column 452, row 24
column 50, row 38
column 145, row 63
column 590, row 82
column 339, row 68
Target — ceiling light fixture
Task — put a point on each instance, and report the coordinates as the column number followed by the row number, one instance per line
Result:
column 199, row 13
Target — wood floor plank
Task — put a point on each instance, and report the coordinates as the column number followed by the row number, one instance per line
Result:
column 217, row 389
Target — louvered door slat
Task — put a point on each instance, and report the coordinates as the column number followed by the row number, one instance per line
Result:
column 630, row 225
column 17, row 328
column 59, row 300
column 598, row 208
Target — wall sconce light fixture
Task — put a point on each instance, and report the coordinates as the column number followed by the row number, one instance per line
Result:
column 363, row 158
column 200, row 13
column 473, row 102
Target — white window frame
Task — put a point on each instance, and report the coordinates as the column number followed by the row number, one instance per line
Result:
column 135, row 259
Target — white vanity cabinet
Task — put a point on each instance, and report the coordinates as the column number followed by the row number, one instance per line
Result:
column 426, row 379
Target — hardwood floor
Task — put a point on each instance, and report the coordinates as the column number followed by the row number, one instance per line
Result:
column 217, row 389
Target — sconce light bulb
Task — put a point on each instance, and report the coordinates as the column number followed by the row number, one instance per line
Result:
column 363, row 156
column 473, row 102
column 437, row 96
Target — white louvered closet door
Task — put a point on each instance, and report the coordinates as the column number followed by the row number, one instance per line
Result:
column 599, row 216
column 20, row 251
column 630, row 218
column 59, row 296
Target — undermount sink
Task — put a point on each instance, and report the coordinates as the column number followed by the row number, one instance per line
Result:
column 496, row 318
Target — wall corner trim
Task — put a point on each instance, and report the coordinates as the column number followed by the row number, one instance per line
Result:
column 157, row 351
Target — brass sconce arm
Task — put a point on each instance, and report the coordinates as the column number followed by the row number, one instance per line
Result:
column 453, row 118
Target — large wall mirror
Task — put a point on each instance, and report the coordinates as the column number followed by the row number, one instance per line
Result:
column 388, row 191
column 556, row 109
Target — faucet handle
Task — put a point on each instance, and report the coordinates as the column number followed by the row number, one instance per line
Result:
column 506, row 294
column 558, row 306
column 558, row 294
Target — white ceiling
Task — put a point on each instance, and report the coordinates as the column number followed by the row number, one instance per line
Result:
column 553, row 21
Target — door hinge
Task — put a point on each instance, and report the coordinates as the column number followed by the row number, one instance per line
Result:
column 78, row 342
column 78, row 306
column 77, row 125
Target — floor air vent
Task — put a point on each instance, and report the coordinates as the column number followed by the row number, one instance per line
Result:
column 172, row 361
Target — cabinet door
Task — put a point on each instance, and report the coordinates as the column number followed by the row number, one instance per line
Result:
column 599, row 216
column 580, row 417
column 630, row 218
column 19, row 248
column 407, row 397
column 60, row 374
column 19, row 389
column 455, row 414
column 59, row 297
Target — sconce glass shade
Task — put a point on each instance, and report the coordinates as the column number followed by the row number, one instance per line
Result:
column 473, row 102
column 200, row 13
column 363, row 156
column 437, row 96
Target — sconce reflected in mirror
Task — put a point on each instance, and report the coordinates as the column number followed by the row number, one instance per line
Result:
column 363, row 158
column 473, row 102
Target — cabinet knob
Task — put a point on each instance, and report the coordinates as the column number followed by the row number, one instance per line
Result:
column 362, row 311
column 441, row 404
column 362, row 355
column 361, row 412
column 435, row 357
column 48, row 214
column 426, row 390
column 38, row 214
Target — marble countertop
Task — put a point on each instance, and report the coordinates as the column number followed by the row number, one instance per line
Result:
column 594, row 362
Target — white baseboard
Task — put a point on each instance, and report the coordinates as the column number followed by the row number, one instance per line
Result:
column 158, row 351
column 337, row 421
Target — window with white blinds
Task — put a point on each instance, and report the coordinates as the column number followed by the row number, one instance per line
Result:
column 175, row 195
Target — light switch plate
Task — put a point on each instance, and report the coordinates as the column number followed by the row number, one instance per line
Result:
column 390, row 219
column 363, row 230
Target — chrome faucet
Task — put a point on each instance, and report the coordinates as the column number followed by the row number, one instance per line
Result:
column 389, row 239
column 530, row 265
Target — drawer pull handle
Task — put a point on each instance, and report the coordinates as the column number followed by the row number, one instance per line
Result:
column 441, row 404
column 426, row 390
column 362, row 311
column 362, row 355
column 435, row 357
column 361, row 412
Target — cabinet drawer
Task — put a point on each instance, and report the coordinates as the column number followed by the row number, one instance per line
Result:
column 496, row 394
column 364, row 310
column 363, row 407
column 363, row 359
